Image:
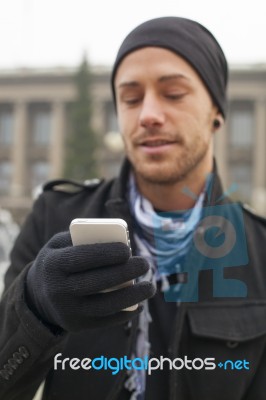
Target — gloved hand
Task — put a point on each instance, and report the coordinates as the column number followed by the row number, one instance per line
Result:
column 63, row 284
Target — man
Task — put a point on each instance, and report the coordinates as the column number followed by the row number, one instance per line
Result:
column 205, row 329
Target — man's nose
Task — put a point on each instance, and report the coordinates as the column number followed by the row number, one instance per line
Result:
column 151, row 113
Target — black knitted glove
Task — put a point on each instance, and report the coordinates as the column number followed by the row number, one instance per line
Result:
column 64, row 283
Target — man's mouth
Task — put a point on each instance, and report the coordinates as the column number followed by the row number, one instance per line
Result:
column 153, row 146
column 155, row 143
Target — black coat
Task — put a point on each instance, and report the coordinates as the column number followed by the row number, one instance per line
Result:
column 225, row 328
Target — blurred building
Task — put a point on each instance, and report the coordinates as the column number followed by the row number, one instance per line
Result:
column 34, row 127
column 8, row 233
column 241, row 147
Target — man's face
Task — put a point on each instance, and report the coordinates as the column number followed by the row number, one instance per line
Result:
column 165, row 115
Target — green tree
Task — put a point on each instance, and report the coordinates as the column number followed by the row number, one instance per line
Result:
column 82, row 142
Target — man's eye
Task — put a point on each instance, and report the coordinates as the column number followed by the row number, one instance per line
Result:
column 132, row 100
column 175, row 96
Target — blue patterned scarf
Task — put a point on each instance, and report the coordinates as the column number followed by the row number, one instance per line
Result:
column 163, row 239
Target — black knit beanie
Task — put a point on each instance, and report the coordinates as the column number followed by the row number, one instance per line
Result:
column 191, row 41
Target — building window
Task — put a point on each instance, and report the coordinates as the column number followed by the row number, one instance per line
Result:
column 41, row 124
column 39, row 173
column 240, row 174
column 241, row 125
column 6, row 125
column 111, row 118
column 240, row 149
column 5, row 177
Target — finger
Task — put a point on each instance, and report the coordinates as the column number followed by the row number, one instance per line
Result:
column 60, row 240
column 81, row 258
column 109, row 321
column 98, row 279
column 103, row 304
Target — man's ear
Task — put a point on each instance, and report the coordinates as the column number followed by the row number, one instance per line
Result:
column 218, row 121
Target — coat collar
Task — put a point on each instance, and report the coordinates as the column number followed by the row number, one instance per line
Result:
column 118, row 198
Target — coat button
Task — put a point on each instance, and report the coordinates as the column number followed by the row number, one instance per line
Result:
column 232, row 344
column 12, row 363
column 18, row 357
column 4, row 374
column 8, row 369
column 24, row 351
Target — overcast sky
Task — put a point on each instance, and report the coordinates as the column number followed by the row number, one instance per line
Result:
column 51, row 33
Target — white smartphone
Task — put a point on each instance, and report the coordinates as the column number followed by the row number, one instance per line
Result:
column 101, row 230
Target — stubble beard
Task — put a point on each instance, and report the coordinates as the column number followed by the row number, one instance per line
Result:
column 174, row 171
